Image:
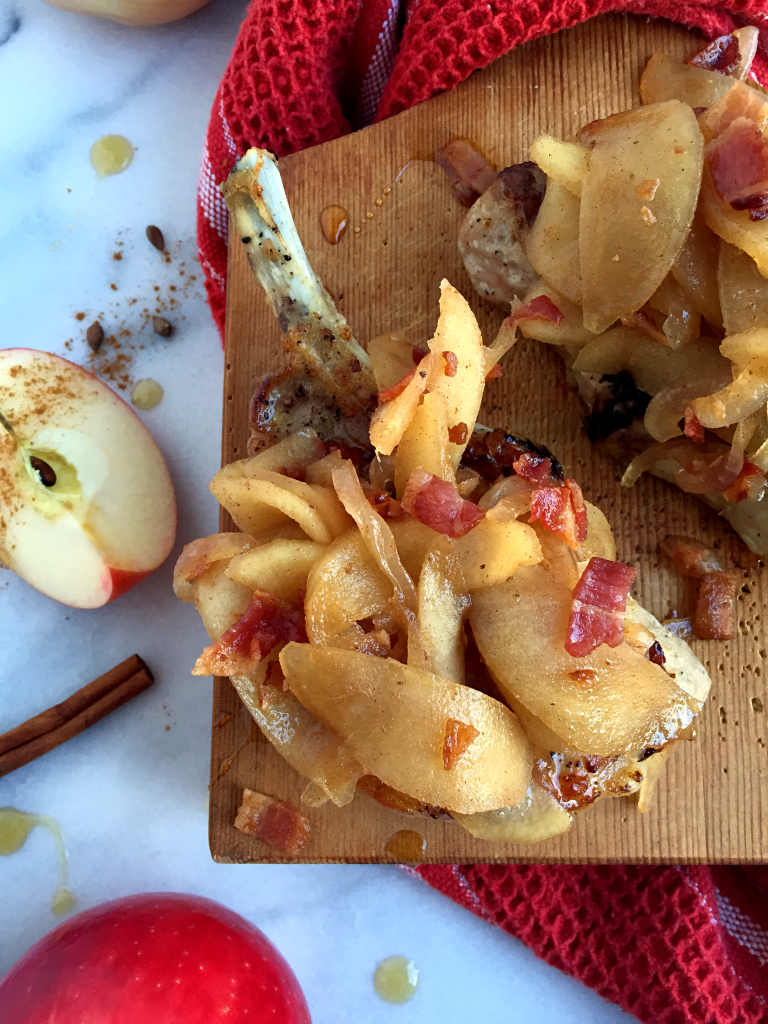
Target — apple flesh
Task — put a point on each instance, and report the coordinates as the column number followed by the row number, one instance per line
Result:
column 87, row 508
column 157, row 958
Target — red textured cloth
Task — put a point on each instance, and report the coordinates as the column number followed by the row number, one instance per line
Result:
column 672, row 945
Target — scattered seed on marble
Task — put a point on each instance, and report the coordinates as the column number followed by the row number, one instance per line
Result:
column 95, row 335
column 155, row 235
column 162, row 326
column 147, row 394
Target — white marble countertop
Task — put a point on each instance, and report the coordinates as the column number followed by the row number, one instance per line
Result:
column 131, row 792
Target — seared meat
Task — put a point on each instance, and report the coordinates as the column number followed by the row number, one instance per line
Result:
column 490, row 239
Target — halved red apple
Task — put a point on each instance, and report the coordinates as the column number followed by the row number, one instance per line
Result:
column 87, row 507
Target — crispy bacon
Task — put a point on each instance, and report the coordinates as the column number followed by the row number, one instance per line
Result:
column 275, row 822
column 438, row 504
column 458, row 433
column 693, row 428
column 451, row 363
column 494, row 453
column 267, row 622
column 721, row 55
column 469, row 173
column 458, row 737
column 540, row 308
column 738, row 163
column 599, row 603
column 691, row 557
column 494, row 373
column 747, row 485
column 714, row 618
column 397, row 389
column 561, row 510
column 536, row 468
column 387, row 506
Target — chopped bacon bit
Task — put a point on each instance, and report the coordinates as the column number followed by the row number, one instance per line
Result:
column 536, row 468
column 561, row 510
column 458, row 737
column 738, row 163
column 584, row 676
column 714, row 618
column 540, row 308
column 458, row 433
column 397, row 389
column 267, row 621
column 693, row 428
column 493, row 454
column 275, row 822
column 418, row 354
column 387, row 506
column 656, row 654
column 641, row 321
column 691, row 557
column 451, row 363
column 747, row 485
column 438, row 504
column 494, row 373
column 721, row 55
column 468, row 171
column 359, row 457
column 599, row 603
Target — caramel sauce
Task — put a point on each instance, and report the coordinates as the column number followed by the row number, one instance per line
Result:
column 406, row 846
column 333, row 223
column 15, row 826
column 396, row 979
column 111, row 154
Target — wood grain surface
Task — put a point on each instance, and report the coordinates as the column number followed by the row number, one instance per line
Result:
column 711, row 803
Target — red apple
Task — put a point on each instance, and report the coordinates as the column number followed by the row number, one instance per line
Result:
column 158, row 958
column 87, row 508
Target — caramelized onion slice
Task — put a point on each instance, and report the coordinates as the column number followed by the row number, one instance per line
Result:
column 746, row 395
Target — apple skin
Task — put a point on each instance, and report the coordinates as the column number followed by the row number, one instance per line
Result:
column 132, row 12
column 89, row 549
column 157, row 958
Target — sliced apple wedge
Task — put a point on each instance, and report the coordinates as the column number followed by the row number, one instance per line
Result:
column 87, row 508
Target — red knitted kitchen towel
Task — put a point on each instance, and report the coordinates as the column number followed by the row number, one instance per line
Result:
column 671, row 945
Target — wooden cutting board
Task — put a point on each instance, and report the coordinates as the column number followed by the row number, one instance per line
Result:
column 711, row 804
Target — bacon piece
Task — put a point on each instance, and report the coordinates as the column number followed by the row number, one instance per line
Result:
column 738, row 163
column 438, row 504
column 641, row 321
column 468, row 171
column 387, row 506
column 458, row 433
column 693, row 428
column 714, row 618
column 397, row 389
column 599, row 603
column 275, row 822
column 691, row 557
column 536, row 468
column 493, row 454
column 267, row 622
column 451, row 363
column 656, row 655
column 494, row 373
column 721, row 55
column 418, row 354
column 458, row 737
column 747, row 485
column 540, row 308
column 561, row 510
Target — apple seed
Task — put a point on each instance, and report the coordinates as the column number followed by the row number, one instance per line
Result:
column 162, row 326
column 155, row 235
column 46, row 472
column 95, row 335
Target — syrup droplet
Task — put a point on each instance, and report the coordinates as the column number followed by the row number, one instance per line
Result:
column 333, row 223
column 406, row 847
column 357, row 231
column 387, row 190
column 147, row 394
column 15, row 826
column 111, row 154
column 396, row 979
column 369, row 215
column 379, row 202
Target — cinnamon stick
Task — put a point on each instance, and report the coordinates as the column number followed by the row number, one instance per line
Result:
column 51, row 728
